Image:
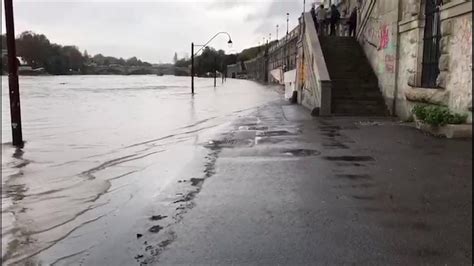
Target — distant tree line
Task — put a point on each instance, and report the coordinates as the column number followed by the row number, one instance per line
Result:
column 211, row 59
column 207, row 61
column 38, row 52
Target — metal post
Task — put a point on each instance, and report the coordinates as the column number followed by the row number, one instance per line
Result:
column 222, row 71
column 15, row 110
column 277, row 33
column 287, row 63
column 215, row 70
column 265, row 66
column 192, row 68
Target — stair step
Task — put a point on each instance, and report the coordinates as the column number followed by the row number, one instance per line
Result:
column 357, row 97
column 359, row 111
column 366, row 78
column 355, row 88
column 355, row 82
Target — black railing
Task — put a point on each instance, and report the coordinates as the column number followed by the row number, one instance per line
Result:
column 431, row 49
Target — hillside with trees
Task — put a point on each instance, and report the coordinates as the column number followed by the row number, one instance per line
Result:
column 38, row 52
column 210, row 59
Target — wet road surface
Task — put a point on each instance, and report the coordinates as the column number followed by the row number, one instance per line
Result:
column 248, row 181
column 101, row 154
column 289, row 189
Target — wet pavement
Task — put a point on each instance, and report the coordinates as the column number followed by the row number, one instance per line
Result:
column 284, row 188
column 242, row 177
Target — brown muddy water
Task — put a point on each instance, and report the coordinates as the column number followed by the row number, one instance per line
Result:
column 100, row 153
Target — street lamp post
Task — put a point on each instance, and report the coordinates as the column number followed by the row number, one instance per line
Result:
column 14, row 91
column 215, row 70
column 192, row 68
column 195, row 53
column 286, row 45
column 277, row 32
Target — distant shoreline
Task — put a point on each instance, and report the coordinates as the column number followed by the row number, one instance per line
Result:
column 95, row 74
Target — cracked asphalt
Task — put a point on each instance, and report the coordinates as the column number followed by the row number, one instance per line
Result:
column 285, row 188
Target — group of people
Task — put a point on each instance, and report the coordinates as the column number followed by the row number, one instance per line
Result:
column 322, row 19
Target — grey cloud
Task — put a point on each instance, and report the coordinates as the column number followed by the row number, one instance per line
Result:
column 227, row 4
column 152, row 30
column 276, row 14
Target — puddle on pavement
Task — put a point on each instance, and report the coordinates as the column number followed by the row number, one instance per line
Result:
column 354, row 176
column 158, row 217
column 329, row 127
column 196, row 181
column 228, row 143
column 335, row 145
column 253, row 128
column 331, row 134
column 349, row 158
column 155, row 229
column 349, row 164
column 301, row 152
column 268, row 140
column 273, row 133
column 359, row 197
column 363, row 185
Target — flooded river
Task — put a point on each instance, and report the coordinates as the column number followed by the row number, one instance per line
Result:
column 102, row 154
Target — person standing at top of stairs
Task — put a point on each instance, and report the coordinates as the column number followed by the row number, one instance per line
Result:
column 313, row 15
column 334, row 19
column 353, row 22
column 321, row 17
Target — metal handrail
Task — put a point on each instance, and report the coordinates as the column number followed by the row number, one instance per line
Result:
column 365, row 18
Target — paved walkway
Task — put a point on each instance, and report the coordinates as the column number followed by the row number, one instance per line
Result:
column 285, row 188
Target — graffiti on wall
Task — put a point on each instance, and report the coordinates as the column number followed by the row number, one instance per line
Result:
column 371, row 35
column 384, row 37
column 389, row 63
column 378, row 34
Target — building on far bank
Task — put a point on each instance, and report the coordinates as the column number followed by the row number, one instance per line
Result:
column 234, row 70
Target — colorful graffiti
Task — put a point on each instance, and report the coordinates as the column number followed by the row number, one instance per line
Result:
column 371, row 35
column 384, row 37
column 378, row 35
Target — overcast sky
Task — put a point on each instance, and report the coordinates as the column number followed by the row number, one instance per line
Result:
column 154, row 30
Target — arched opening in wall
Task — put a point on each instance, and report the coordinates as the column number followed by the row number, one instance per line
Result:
column 431, row 40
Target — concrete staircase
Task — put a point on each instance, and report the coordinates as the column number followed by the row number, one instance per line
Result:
column 355, row 88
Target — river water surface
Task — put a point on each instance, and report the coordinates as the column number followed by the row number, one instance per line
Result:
column 100, row 153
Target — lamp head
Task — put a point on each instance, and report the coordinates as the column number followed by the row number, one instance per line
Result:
column 229, row 43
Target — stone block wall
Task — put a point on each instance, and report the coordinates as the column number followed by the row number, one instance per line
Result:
column 393, row 25
column 379, row 40
column 456, row 63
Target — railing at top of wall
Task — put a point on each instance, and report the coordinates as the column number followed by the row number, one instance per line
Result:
column 365, row 12
column 283, row 41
